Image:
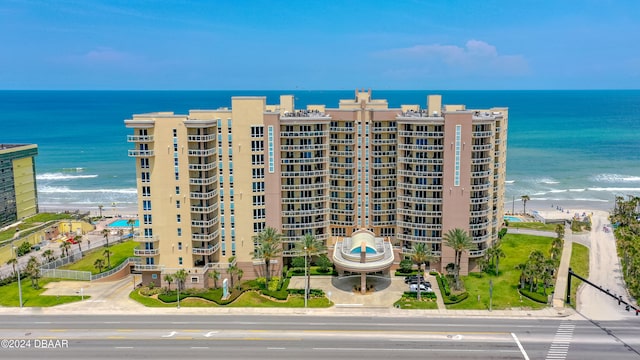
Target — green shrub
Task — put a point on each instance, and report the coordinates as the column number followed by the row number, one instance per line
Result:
column 444, row 285
column 298, row 262
column 405, row 266
column 537, row 297
column 279, row 295
column 425, row 295
column 172, row 297
column 456, row 298
column 312, row 292
column 324, row 264
column 433, row 273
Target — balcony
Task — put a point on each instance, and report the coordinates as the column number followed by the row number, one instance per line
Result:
column 139, row 138
column 146, row 239
column 204, row 167
column 203, row 181
column 205, row 237
column 140, row 153
column 206, row 251
column 143, row 267
column 204, row 223
column 201, row 138
column 203, row 195
column 204, row 209
column 203, row 152
column 145, row 252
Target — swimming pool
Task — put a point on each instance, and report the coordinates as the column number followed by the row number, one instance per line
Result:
column 120, row 223
column 512, row 219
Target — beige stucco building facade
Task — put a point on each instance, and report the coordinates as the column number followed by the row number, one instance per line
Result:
column 208, row 181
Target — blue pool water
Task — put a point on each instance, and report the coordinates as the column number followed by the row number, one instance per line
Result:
column 512, row 219
column 122, row 223
column 369, row 251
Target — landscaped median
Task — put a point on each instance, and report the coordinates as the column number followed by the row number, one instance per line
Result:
column 252, row 293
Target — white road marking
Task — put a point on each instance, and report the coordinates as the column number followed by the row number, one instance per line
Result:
column 170, row 334
column 210, row 333
column 200, row 347
column 124, row 347
column 276, row 348
column 524, row 353
column 560, row 346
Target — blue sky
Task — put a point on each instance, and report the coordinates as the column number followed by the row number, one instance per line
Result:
column 307, row 44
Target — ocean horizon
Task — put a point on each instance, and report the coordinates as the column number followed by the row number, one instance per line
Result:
column 571, row 146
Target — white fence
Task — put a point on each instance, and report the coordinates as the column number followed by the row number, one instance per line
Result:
column 67, row 274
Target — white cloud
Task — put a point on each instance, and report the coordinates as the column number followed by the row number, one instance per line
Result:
column 475, row 58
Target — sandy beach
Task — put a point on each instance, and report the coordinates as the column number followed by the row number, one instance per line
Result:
column 93, row 210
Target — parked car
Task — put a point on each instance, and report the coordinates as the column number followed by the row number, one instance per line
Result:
column 72, row 241
column 413, row 279
column 423, row 288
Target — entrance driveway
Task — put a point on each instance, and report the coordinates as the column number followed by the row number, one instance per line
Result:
column 341, row 291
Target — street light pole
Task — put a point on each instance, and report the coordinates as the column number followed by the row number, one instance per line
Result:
column 306, row 278
column 18, row 268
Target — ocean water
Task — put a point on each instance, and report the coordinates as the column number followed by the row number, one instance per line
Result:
column 562, row 145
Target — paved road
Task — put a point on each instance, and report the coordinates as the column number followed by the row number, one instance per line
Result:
column 316, row 337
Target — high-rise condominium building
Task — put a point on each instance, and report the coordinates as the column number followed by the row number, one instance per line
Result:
column 209, row 181
column 18, row 194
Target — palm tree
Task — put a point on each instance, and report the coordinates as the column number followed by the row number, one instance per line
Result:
column 65, row 248
column 232, row 271
column 524, row 198
column 105, row 233
column 180, row 276
column 99, row 264
column 168, row 278
column 131, row 223
column 460, row 241
column 48, row 255
column 421, row 255
column 498, row 253
column 100, row 209
column 559, row 232
column 310, row 246
column 33, row 269
column 215, row 275
column 268, row 246
column 78, row 239
column 239, row 274
column 13, row 262
column 107, row 253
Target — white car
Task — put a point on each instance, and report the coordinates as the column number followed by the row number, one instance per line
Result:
column 423, row 288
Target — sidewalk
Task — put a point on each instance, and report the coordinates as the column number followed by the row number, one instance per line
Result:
column 113, row 298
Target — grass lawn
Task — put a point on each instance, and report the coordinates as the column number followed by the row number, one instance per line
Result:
column 580, row 265
column 248, row 299
column 120, row 252
column 505, row 286
column 531, row 225
column 31, row 297
column 32, row 221
column 410, row 303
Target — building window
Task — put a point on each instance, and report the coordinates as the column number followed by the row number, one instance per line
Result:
column 146, row 177
column 148, row 233
column 179, row 245
column 146, row 205
column 179, row 232
column 180, row 260
column 194, row 279
column 272, row 167
column 177, row 204
column 456, row 175
column 177, row 190
column 257, row 131
column 178, row 218
column 147, row 219
column 146, row 191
